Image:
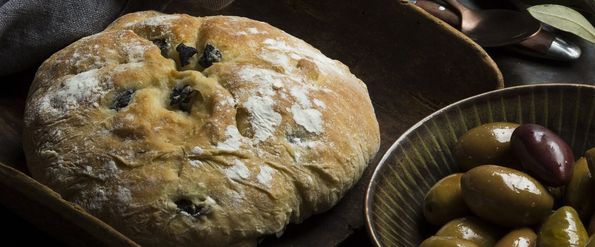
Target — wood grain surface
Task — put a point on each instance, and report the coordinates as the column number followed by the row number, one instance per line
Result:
column 412, row 64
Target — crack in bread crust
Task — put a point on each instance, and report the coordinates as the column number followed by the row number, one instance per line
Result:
column 270, row 133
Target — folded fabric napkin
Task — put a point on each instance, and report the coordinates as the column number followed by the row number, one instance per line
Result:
column 31, row 30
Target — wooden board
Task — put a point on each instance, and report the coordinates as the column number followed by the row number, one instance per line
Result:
column 412, row 64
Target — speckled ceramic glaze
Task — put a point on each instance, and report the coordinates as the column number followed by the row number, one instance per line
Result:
column 424, row 153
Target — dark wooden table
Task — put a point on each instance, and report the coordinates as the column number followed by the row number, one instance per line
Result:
column 516, row 69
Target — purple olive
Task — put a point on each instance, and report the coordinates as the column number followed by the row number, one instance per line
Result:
column 543, row 154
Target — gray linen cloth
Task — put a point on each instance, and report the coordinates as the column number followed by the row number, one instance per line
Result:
column 31, row 30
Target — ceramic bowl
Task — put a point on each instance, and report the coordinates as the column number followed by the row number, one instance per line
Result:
column 424, row 153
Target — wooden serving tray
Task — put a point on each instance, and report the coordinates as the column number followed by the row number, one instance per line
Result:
column 412, row 63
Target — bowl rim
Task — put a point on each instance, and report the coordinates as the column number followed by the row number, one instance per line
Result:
column 371, row 188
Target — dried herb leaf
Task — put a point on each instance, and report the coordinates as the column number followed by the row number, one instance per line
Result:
column 565, row 19
column 163, row 46
column 209, row 56
column 185, row 205
column 122, row 100
column 185, row 52
column 181, row 97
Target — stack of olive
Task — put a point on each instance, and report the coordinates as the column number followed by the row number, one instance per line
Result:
column 521, row 186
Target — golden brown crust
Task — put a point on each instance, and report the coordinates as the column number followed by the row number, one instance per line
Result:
column 276, row 131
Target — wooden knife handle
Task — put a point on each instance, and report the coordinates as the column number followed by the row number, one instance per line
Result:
column 440, row 12
column 540, row 42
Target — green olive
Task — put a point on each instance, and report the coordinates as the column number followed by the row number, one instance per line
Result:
column 562, row 228
column 470, row 228
column 441, row 241
column 523, row 237
column 579, row 190
column 590, row 157
column 444, row 201
column 486, row 144
column 505, row 196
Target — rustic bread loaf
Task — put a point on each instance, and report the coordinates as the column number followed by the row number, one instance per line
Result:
column 197, row 131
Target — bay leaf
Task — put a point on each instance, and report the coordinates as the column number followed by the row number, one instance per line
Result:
column 565, row 19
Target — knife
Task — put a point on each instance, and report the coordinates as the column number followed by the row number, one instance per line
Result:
column 543, row 44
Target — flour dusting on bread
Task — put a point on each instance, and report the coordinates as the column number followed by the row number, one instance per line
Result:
column 72, row 92
column 263, row 118
column 179, row 130
column 233, row 139
column 154, row 21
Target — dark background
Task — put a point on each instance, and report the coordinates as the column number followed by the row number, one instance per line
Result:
column 516, row 69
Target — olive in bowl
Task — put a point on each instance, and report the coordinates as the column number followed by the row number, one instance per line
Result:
column 522, row 237
column 424, row 154
column 486, row 144
column 543, row 153
column 444, row 201
column 562, row 228
column 505, row 196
